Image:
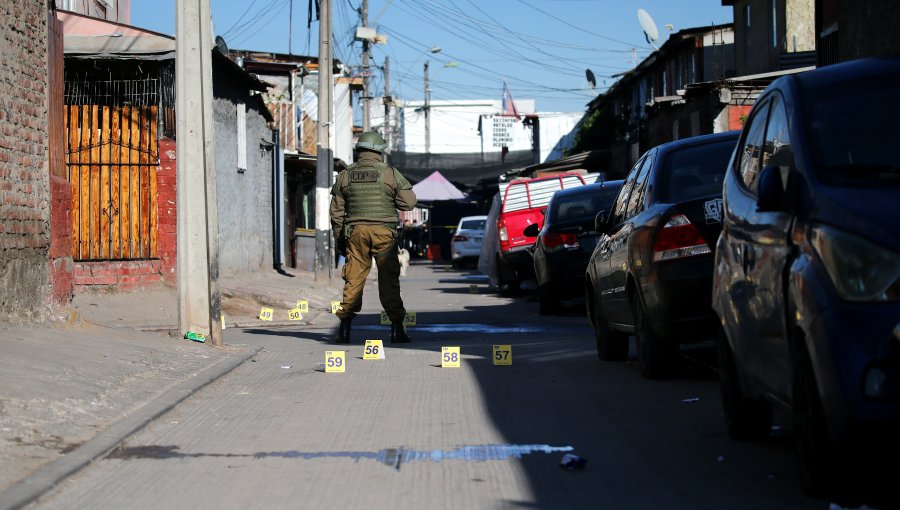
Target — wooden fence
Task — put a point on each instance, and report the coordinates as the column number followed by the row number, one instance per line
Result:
column 112, row 157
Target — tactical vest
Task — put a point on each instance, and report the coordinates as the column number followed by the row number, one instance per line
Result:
column 367, row 199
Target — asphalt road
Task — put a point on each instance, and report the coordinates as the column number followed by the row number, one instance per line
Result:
column 405, row 433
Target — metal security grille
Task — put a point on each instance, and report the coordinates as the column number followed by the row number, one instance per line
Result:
column 112, row 160
column 115, row 112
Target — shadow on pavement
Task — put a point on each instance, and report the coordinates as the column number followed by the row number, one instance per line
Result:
column 649, row 444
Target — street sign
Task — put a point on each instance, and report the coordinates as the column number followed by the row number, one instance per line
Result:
column 502, row 131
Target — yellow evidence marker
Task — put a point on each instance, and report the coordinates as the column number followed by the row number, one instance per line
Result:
column 473, row 289
column 303, row 306
column 450, row 357
column 374, row 350
column 294, row 314
column 334, row 306
column 385, row 320
column 334, row 361
column 265, row 314
column 223, row 321
column 503, row 354
column 409, row 319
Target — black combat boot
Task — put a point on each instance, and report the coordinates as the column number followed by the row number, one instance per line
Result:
column 343, row 332
column 398, row 333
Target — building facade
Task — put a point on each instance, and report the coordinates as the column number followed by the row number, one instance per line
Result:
column 647, row 106
column 773, row 35
column 118, row 11
column 851, row 29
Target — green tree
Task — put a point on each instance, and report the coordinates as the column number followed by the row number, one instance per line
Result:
column 596, row 132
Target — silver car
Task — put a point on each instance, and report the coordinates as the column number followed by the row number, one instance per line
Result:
column 466, row 243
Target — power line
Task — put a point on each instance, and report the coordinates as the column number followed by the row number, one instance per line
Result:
column 564, row 22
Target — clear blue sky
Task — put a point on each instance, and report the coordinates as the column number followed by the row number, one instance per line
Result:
column 540, row 47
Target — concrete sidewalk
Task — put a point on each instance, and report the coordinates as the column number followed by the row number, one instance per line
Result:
column 73, row 389
column 156, row 308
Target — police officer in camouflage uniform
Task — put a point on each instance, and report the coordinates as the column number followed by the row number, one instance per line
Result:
column 364, row 203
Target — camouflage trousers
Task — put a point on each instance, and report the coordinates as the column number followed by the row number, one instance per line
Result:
column 366, row 242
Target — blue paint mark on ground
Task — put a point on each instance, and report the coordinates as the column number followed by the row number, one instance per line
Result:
column 393, row 457
column 487, row 329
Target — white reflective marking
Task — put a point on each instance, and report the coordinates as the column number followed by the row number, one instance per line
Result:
column 323, row 201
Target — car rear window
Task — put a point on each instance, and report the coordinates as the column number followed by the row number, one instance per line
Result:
column 583, row 205
column 694, row 172
column 473, row 225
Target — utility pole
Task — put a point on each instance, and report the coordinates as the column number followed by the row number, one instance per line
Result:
column 388, row 100
column 290, row 27
column 427, row 113
column 324, row 157
column 365, row 102
column 197, row 227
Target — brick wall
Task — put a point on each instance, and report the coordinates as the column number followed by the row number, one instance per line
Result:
column 165, row 184
column 62, row 275
column 131, row 274
column 24, row 175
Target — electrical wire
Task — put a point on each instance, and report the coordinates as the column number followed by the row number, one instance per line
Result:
column 564, row 22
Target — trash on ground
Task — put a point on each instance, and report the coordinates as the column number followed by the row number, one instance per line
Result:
column 286, row 366
column 197, row 337
column 572, row 462
column 690, row 400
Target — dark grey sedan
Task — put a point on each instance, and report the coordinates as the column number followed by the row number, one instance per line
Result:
column 566, row 241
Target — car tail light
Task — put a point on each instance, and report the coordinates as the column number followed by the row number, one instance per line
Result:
column 677, row 239
column 555, row 241
column 503, row 234
column 460, row 239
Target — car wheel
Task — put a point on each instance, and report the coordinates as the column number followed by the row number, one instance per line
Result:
column 548, row 302
column 507, row 283
column 815, row 449
column 658, row 357
column 611, row 345
column 746, row 419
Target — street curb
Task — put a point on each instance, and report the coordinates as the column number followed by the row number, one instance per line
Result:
column 50, row 476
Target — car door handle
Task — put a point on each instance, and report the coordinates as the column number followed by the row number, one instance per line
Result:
column 745, row 259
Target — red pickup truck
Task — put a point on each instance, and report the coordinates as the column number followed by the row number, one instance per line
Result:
column 524, row 202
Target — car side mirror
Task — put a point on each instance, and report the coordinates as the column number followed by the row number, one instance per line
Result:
column 770, row 190
column 600, row 222
column 532, row 230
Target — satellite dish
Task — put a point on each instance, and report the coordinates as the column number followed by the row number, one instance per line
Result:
column 590, row 78
column 651, row 33
column 221, row 46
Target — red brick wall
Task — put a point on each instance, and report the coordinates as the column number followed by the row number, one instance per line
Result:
column 24, row 175
column 126, row 275
column 62, row 277
column 165, row 184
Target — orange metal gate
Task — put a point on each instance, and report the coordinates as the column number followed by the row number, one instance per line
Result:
column 112, row 157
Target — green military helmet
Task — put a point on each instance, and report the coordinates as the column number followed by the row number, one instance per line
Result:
column 372, row 141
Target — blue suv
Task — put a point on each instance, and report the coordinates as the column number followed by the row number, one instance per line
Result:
column 807, row 268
